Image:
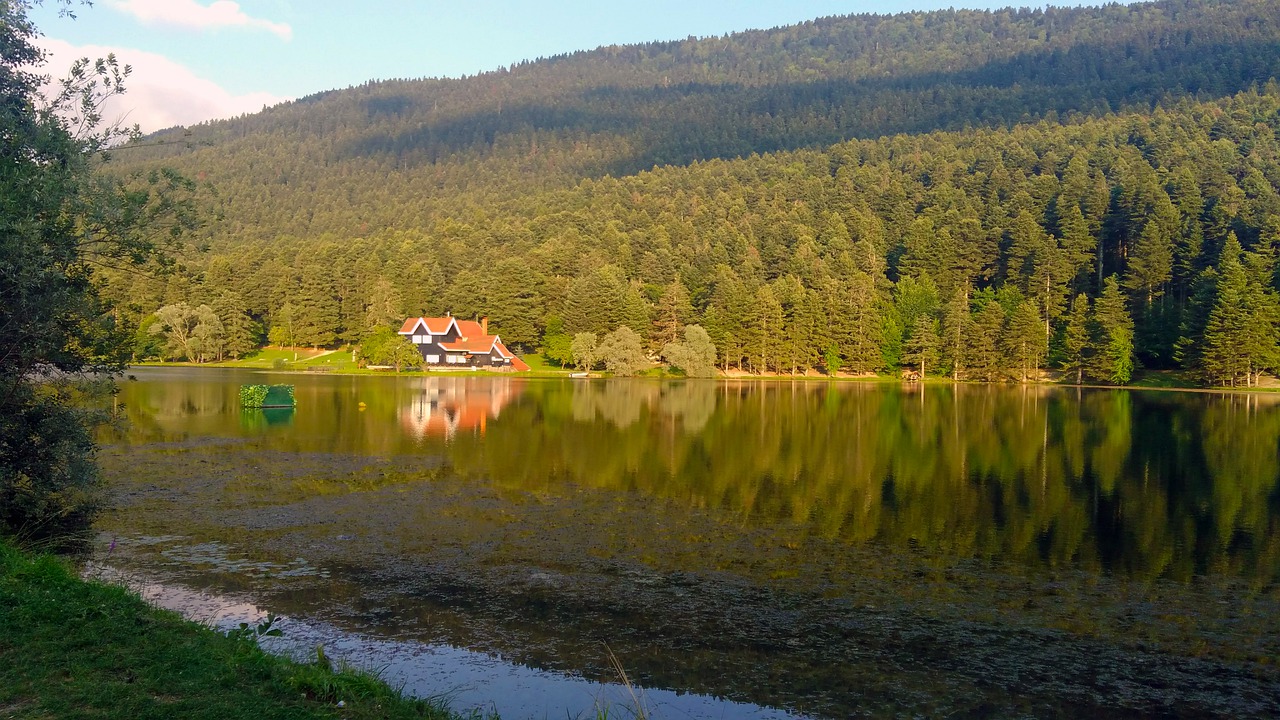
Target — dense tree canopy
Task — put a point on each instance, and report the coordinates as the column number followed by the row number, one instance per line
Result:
column 1051, row 150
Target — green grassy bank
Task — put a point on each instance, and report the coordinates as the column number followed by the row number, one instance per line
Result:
column 71, row 648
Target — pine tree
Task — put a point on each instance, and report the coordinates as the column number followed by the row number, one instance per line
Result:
column 1076, row 337
column 797, row 348
column 766, row 331
column 1024, row 339
column 636, row 311
column 384, row 306
column 283, row 331
column 514, row 303
column 861, row 345
column 956, row 329
column 316, row 309
column 1150, row 263
column 595, row 301
column 1078, row 245
column 674, row 311
column 239, row 330
column 1226, row 355
column 921, row 346
column 986, row 362
column 1113, row 341
column 1262, row 336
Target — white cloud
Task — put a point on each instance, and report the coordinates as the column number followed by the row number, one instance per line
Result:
column 160, row 93
column 193, row 15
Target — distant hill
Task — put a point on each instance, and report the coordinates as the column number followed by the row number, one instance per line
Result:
column 388, row 153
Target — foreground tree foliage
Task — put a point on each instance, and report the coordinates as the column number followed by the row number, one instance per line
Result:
column 61, row 224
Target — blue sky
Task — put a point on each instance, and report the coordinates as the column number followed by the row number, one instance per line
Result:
column 196, row 60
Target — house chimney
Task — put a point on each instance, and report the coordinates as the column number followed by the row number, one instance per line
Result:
column 484, row 325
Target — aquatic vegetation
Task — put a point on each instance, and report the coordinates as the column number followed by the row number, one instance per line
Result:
column 259, row 396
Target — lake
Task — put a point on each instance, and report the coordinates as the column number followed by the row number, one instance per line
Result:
column 739, row 549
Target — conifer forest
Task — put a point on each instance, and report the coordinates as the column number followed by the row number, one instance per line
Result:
column 982, row 195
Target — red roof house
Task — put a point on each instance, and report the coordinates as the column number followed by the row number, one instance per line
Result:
column 450, row 342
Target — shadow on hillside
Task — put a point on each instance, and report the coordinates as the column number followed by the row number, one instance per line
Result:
column 685, row 123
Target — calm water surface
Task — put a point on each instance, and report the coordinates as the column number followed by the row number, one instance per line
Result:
column 743, row 549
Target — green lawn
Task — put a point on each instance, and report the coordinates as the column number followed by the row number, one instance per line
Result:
column 76, row 649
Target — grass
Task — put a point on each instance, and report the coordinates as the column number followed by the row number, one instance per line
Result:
column 339, row 361
column 72, row 648
column 1164, row 379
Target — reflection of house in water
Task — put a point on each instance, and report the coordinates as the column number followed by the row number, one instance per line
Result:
column 445, row 406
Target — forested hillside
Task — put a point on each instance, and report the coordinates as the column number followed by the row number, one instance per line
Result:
column 979, row 193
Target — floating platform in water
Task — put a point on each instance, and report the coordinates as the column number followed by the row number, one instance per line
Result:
column 266, row 396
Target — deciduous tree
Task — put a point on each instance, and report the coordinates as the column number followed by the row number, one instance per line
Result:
column 622, row 352
column 696, row 356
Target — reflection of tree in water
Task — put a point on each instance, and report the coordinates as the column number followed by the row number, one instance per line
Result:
column 621, row 403
column 1105, row 479
column 618, row 402
column 1137, row 484
column 691, row 402
column 1241, row 436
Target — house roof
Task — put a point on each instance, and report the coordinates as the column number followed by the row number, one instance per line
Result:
column 435, row 326
column 470, row 329
column 481, row 345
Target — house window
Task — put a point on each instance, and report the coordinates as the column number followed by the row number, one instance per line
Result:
column 433, row 359
column 454, row 359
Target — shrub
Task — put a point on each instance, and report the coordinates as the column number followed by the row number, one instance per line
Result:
column 49, row 484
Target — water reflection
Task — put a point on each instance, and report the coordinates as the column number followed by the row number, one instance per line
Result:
column 1141, row 484
column 966, row 550
column 258, row 419
column 445, row 406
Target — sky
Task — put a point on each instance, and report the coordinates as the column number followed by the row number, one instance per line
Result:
column 198, row 60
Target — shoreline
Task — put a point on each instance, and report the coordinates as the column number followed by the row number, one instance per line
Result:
column 732, row 376
column 75, row 646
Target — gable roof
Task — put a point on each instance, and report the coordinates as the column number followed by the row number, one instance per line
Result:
column 435, row 326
